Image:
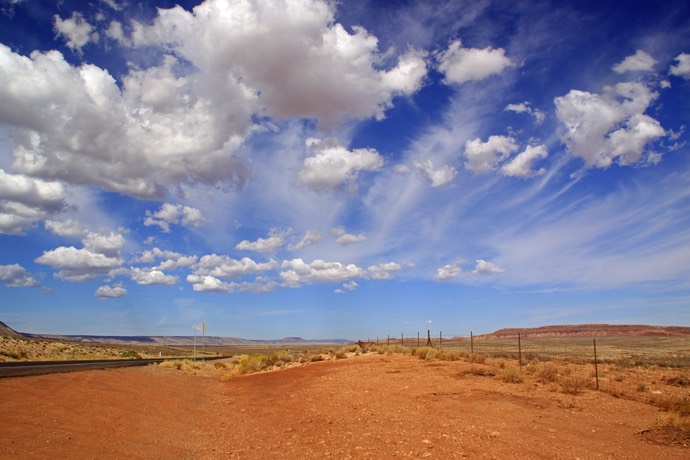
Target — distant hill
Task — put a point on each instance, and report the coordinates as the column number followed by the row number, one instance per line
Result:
column 211, row 341
column 6, row 331
column 590, row 330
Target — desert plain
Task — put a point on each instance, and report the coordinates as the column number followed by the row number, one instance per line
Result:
column 380, row 404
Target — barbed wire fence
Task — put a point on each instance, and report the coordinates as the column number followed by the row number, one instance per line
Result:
column 667, row 351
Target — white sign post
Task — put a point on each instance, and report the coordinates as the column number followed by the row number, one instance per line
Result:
column 200, row 327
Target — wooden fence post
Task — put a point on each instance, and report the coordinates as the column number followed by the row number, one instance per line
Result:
column 471, row 343
column 519, row 351
column 596, row 363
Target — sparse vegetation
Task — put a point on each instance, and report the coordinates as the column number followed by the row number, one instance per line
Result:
column 133, row 354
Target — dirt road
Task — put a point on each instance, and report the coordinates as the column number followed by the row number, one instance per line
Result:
column 371, row 406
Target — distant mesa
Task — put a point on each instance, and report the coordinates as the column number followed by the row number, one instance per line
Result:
column 590, row 330
column 211, row 341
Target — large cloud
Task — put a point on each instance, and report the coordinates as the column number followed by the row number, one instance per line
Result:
column 292, row 55
column 224, row 67
column 610, row 127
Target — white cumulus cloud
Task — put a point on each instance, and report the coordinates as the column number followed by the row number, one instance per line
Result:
column 296, row 272
column 170, row 214
column 276, row 239
column 526, row 107
column 328, row 164
column 483, row 267
column 79, row 264
column 437, row 176
column 152, row 276
column 345, row 238
column 111, row 292
column 610, row 127
column 16, row 276
column 384, row 270
column 521, row 165
column 24, row 200
column 227, row 267
column 638, row 62
column 483, row 157
column 682, row 68
column 459, row 64
column 76, row 30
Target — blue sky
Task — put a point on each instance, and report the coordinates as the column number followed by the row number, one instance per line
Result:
column 342, row 169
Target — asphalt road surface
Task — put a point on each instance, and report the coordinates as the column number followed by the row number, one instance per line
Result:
column 20, row 368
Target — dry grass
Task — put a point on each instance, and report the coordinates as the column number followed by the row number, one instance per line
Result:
column 511, row 374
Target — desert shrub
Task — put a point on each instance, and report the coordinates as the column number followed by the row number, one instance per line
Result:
column 678, row 380
column 678, row 405
column 511, row 374
column 479, row 371
column 340, row 354
column 281, row 358
column 675, row 423
column 353, row 348
column 176, row 364
column 316, row 358
column 572, row 384
column 546, row 373
column 449, row 355
column 248, row 364
column 133, row 354
column 423, row 352
column 14, row 354
column 476, row 358
column 220, row 365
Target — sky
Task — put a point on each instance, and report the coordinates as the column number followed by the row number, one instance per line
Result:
column 350, row 169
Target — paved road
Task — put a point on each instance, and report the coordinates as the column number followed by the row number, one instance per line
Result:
column 20, row 368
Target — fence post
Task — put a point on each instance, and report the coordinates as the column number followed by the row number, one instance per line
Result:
column 417, row 339
column 440, row 338
column 471, row 343
column 428, row 338
column 402, row 340
column 596, row 363
column 519, row 351
column 388, row 340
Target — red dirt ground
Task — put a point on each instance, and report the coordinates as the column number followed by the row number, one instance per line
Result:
column 371, row 406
